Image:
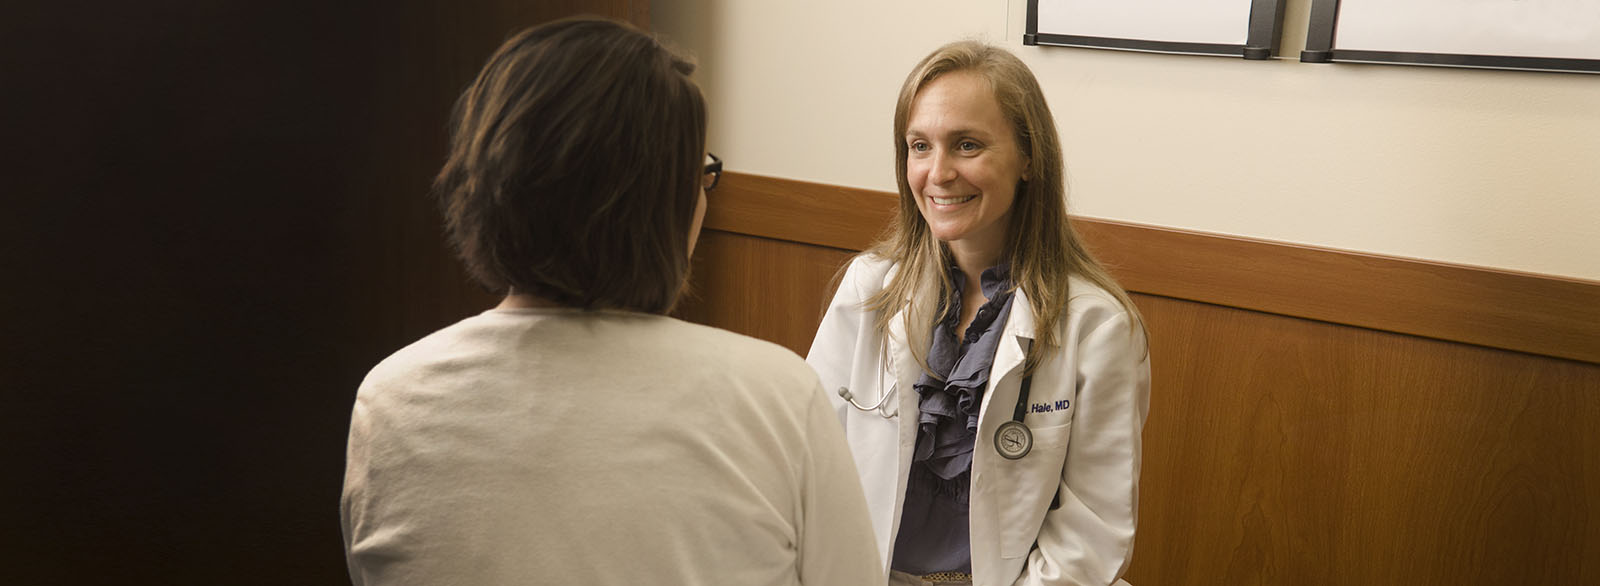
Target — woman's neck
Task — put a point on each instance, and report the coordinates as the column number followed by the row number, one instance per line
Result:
column 515, row 300
column 974, row 261
column 972, row 264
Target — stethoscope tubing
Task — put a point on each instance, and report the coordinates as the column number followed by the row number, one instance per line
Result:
column 1012, row 439
column 845, row 394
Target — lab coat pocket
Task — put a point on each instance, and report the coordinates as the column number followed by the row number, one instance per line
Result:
column 1032, row 481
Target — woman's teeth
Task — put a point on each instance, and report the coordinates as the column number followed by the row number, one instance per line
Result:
column 945, row 201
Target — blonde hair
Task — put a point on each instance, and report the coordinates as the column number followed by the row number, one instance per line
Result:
column 1041, row 246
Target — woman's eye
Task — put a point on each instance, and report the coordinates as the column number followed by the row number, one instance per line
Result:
column 967, row 146
column 919, row 147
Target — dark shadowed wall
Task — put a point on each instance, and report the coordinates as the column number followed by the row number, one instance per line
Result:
column 218, row 221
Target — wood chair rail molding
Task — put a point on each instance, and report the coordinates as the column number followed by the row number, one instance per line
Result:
column 1537, row 314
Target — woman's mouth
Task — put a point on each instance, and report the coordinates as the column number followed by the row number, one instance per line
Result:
column 950, row 201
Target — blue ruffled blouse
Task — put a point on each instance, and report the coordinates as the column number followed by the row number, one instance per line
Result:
column 934, row 531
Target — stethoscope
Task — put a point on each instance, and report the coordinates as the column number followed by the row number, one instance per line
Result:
column 1012, row 439
column 883, row 399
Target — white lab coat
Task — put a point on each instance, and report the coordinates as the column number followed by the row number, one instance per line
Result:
column 1087, row 407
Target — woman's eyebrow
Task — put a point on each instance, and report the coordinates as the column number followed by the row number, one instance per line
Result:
column 949, row 133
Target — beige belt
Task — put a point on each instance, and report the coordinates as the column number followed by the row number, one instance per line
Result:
column 947, row 577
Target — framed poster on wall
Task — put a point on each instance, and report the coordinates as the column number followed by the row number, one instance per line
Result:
column 1539, row 35
column 1235, row 28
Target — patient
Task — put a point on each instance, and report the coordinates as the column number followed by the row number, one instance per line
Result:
column 575, row 434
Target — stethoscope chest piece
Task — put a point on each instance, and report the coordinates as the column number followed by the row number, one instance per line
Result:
column 1013, row 440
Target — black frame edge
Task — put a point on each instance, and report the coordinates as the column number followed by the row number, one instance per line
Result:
column 1030, row 33
column 1503, row 62
column 1266, row 29
column 1320, row 32
column 1220, row 50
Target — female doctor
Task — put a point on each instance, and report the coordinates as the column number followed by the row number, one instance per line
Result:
column 992, row 379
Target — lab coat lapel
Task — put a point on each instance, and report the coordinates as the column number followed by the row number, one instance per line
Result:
column 1009, row 355
column 988, row 491
column 906, row 371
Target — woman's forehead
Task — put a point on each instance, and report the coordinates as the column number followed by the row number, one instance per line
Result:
column 955, row 103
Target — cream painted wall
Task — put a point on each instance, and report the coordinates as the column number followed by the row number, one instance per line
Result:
column 1490, row 168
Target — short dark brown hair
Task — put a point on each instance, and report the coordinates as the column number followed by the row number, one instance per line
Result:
column 575, row 166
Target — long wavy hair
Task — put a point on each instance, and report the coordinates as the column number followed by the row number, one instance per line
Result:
column 1041, row 246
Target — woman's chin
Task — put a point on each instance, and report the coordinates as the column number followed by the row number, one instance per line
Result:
column 947, row 232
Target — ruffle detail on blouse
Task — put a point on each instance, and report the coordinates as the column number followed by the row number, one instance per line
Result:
column 948, row 424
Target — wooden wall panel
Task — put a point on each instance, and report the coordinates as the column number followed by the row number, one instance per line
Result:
column 1551, row 316
column 1289, row 451
column 770, row 289
column 1305, row 425
column 834, row 216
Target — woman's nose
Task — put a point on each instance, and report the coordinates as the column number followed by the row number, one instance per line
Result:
column 943, row 170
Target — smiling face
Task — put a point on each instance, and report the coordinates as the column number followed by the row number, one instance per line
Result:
column 963, row 163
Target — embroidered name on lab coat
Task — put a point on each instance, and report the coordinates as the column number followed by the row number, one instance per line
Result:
column 1047, row 407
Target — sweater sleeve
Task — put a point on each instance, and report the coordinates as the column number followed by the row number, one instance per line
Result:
column 837, row 545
